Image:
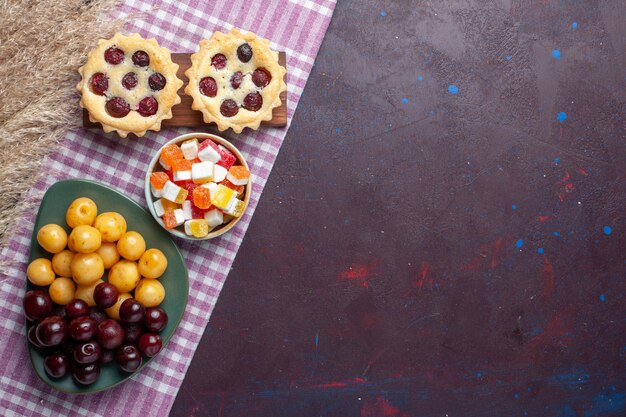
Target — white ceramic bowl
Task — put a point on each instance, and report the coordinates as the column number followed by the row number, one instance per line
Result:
column 155, row 166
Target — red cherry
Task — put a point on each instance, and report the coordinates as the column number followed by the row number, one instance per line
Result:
column 114, row 55
column 244, row 52
column 253, row 101
column 148, row 106
column 99, row 83
column 236, row 79
column 208, row 87
column 141, row 59
column 219, row 61
column 229, row 108
column 157, row 81
column 117, row 107
column 129, row 81
column 261, row 78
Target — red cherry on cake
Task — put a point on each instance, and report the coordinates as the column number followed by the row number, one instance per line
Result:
column 208, row 87
column 253, row 101
column 261, row 78
column 141, row 59
column 219, row 61
column 148, row 106
column 244, row 52
column 157, row 81
column 117, row 107
column 99, row 83
column 229, row 108
column 236, row 79
column 114, row 55
column 129, row 81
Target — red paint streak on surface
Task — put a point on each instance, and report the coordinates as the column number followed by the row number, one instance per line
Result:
column 298, row 248
column 548, row 277
column 543, row 219
column 340, row 384
column 554, row 331
column 424, row 280
column 380, row 407
column 489, row 257
column 358, row 274
column 565, row 186
column 582, row 171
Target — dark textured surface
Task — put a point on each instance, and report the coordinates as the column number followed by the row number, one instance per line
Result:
column 423, row 253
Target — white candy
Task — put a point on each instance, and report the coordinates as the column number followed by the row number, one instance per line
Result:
column 163, row 164
column 214, row 217
column 156, row 193
column 219, row 173
column 158, row 208
column 170, row 191
column 202, row 172
column 179, row 217
column 209, row 154
column 182, row 175
column 187, row 210
column 211, row 186
column 190, row 149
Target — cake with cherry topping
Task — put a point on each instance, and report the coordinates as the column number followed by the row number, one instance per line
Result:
column 129, row 84
column 235, row 80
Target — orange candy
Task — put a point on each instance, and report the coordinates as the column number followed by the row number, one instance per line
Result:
column 238, row 188
column 158, row 179
column 201, row 198
column 169, row 220
column 181, row 165
column 171, row 153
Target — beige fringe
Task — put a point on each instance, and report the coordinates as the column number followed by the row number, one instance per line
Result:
column 42, row 44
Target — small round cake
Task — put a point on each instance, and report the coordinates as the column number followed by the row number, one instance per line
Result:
column 235, row 80
column 129, row 84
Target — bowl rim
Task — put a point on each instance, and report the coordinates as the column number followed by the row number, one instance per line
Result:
column 155, row 160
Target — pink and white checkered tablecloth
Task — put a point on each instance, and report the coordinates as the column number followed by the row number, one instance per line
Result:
column 294, row 26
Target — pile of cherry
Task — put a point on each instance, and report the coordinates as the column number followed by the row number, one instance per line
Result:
column 78, row 339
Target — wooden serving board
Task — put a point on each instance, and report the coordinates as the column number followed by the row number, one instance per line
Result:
column 184, row 116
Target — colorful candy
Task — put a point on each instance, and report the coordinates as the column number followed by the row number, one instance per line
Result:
column 238, row 175
column 197, row 227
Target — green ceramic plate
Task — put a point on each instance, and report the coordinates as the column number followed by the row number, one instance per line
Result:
column 175, row 280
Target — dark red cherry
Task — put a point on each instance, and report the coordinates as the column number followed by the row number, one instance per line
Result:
column 105, row 294
column 114, row 55
column 261, row 78
column 37, row 305
column 129, row 81
column 148, row 106
column 110, row 334
column 32, row 337
column 82, row 328
column 150, row 344
column 157, row 81
column 131, row 311
column 117, row 107
column 218, row 61
column 51, row 331
column 236, row 79
column 76, row 308
column 253, row 101
column 87, row 352
column 107, row 356
column 86, row 374
column 229, row 108
column 132, row 332
column 244, row 52
column 56, row 364
column 97, row 314
column 208, row 87
column 128, row 357
column 155, row 320
column 141, row 59
column 99, row 83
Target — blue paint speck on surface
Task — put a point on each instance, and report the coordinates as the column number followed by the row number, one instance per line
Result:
column 479, row 374
column 556, row 54
column 602, row 298
column 607, row 230
column 405, row 100
column 574, row 25
column 420, row 78
column 516, row 396
column 453, row 89
column 607, row 403
column 566, row 411
column 508, row 57
column 519, row 243
column 383, row 13
column 556, row 233
column 317, row 339
column 514, row 206
column 337, row 130
column 557, row 160
column 540, row 251
column 561, row 116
